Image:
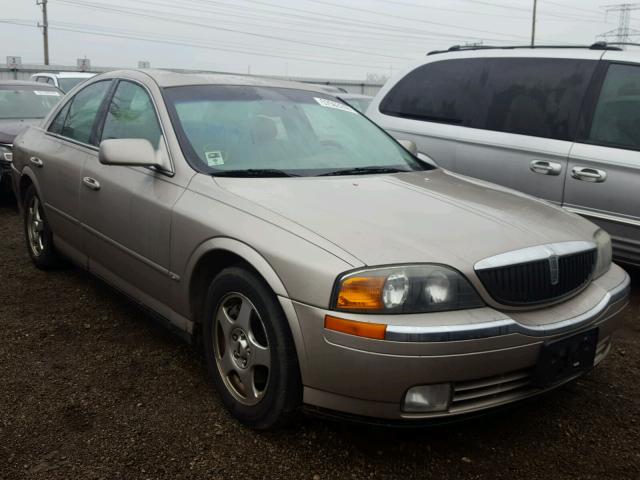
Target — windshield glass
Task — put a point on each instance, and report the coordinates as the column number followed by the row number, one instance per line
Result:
column 18, row 101
column 68, row 83
column 245, row 129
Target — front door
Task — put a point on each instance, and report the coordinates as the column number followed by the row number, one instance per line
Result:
column 126, row 211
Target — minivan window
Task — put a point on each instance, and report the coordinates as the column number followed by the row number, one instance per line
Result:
column 83, row 110
column 131, row 115
column 616, row 121
column 538, row 97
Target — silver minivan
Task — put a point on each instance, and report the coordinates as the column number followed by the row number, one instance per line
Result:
column 562, row 124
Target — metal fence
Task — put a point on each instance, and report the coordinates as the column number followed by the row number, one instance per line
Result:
column 353, row 86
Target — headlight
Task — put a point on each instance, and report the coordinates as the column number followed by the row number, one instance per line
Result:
column 404, row 289
column 6, row 153
column 603, row 241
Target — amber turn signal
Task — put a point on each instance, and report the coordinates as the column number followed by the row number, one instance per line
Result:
column 361, row 293
column 359, row 329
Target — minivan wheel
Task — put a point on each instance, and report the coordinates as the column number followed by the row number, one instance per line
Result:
column 37, row 232
column 249, row 349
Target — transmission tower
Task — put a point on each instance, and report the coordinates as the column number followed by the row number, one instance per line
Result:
column 623, row 33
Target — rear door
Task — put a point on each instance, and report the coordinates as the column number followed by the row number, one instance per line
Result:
column 58, row 160
column 604, row 168
column 508, row 120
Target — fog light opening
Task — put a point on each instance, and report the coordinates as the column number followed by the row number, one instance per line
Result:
column 427, row 398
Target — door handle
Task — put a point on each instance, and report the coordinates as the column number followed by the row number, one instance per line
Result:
column 545, row 168
column 37, row 162
column 587, row 174
column 91, row 183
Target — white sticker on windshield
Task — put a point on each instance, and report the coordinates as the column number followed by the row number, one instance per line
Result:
column 214, row 158
column 332, row 104
column 48, row 93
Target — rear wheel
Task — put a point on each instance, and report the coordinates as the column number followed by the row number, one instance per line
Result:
column 250, row 351
column 37, row 232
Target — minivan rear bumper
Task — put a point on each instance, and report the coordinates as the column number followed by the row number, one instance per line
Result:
column 486, row 356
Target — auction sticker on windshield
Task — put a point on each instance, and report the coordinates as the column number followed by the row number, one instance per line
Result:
column 214, row 158
column 331, row 104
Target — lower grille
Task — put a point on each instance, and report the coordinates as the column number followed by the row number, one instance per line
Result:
column 532, row 283
column 486, row 392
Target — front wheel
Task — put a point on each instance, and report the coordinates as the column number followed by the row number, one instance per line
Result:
column 37, row 233
column 250, row 351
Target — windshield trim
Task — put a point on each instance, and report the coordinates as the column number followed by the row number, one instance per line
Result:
column 189, row 154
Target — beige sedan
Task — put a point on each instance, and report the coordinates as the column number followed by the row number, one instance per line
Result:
column 318, row 261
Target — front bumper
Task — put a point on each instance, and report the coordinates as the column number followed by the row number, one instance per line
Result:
column 485, row 354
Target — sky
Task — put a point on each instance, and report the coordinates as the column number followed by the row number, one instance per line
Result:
column 331, row 39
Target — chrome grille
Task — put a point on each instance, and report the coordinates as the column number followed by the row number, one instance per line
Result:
column 532, row 282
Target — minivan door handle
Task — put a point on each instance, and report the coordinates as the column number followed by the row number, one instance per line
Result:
column 91, row 183
column 37, row 162
column 587, row 174
column 545, row 168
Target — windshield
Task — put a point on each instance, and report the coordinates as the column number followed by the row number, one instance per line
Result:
column 68, row 83
column 228, row 130
column 17, row 101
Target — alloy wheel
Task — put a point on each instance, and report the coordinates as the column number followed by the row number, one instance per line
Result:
column 35, row 227
column 241, row 349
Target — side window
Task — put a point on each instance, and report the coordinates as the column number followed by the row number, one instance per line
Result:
column 539, row 97
column 83, row 111
column 58, row 122
column 446, row 91
column 131, row 115
column 616, row 121
column 41, row 79
column 49, row 80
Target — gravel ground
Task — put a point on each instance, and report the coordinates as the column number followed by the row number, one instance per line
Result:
column 91, row 387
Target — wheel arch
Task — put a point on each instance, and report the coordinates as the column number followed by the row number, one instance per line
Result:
column 216, row 254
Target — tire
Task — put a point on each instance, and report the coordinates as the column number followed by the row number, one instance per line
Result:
column 244, row 330
column 38, row 234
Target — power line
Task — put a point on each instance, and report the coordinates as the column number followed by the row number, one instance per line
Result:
column 386, row 14
column 216, row 47
column 220, row 28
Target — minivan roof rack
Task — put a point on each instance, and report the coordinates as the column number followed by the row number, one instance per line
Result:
column 594, row 46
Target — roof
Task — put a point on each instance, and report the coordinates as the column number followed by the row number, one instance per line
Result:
column 26, row 83
column 166, row 78
column 65, row 74
column 354, row 96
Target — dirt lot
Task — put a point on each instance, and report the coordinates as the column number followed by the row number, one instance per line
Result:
column 91, row 388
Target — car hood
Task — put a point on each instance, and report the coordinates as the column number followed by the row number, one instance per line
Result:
column 431, row 216
column 10, row 128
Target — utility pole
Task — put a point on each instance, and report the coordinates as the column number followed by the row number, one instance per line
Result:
column 623, row 32
column 533, row 23
column 45, row 29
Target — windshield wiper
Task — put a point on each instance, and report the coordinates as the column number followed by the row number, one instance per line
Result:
column 254, row 172
column 363, row 171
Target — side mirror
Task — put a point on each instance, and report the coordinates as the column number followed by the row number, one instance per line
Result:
column 410, row 146
column 427, row 159
column 133, row 152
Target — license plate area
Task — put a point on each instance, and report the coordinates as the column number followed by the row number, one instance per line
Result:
column 563, row 359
